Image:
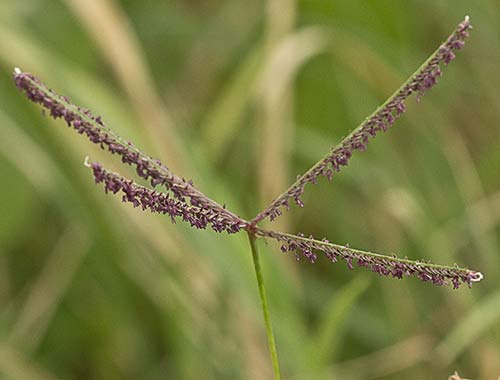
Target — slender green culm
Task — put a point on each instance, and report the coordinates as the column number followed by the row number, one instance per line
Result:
column 265, row 309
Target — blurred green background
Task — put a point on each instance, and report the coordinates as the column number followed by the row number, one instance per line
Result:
column 241, row 96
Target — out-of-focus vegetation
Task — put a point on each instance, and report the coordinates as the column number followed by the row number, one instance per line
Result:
column 242, row 96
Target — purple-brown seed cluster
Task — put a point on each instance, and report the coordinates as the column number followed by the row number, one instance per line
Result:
column 84, row 122
column 381, row 120
column 183, row 201
column 383, row 265
column 162, row 203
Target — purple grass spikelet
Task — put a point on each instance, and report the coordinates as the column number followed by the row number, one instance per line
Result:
column 162, row 203
column 84, row 122
column 389, row 266
column 380, row 121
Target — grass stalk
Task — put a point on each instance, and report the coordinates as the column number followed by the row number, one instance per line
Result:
column 265, row 309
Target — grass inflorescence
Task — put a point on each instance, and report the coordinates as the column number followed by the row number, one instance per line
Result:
column 181, row 200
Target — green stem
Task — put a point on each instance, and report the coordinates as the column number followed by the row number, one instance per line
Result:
column 265, row 310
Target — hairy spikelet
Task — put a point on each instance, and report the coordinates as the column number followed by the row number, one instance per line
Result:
column 380, row 121
column 162, row 203
column 383, row 265
column 85, row 123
